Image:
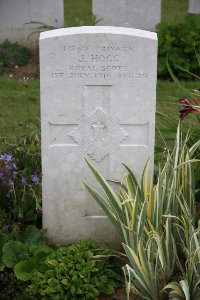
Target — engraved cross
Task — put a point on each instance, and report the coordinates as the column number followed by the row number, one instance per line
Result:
column 97, row 133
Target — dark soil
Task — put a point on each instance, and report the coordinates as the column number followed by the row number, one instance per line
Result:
column 120, row 295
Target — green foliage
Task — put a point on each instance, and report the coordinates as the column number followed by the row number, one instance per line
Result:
column 182, row 291
column 11, row 287
column 84, row 270
column 80, row 271
column 20, row 182
column 13, row 54
column 13, row 252
column 26, row 148
column 18, row 105
column 177, row 42
column 190, row 115
column 157, row 222
column 78, row 13
column 174, row 11
column 92, row 21
column 3, row 240
column 40, row 27
column 3, row 218
column 22, row 246
column 26, row 268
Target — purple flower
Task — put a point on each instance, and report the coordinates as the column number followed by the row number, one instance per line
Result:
column 12, row 62
column 23, row 180
column 8, row 157
column 9, row 193
column 7, row 171
column 5, row 181
column 8, row 167
column 35, row 179
column 5, row 227
column 14, row 166
column 14, row 175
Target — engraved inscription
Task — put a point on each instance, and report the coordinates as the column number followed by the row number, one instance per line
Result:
column 99, row 58
column 106, row 48
column 98, row 134
column 98, row 62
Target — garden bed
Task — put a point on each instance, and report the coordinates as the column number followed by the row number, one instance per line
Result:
column 30, row 70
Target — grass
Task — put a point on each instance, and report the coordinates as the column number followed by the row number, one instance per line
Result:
column 174, row 11
column 79, row 12
column 19, row 104
column 168, row 94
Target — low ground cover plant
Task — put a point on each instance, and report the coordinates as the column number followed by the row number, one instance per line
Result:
column 81, row 271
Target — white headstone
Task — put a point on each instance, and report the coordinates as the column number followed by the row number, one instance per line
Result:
column 15, row 13
column 194, row 6
column 98, row 93
column 141, row 14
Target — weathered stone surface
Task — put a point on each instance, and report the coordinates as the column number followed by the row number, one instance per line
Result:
column 98, row 92
column 194, row 6
column 141, row 14
column 15, row 13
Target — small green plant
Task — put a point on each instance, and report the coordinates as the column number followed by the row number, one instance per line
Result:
column 13, row 54
column 21, row 252
column 40, row 27
column 177, row 41
column 76, row 23
column 80, row 271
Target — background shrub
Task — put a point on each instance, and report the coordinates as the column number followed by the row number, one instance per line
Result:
column 13, row 54
column 178, row 41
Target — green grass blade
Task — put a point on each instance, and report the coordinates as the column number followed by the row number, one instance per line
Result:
column 106, row 207
column 113, row 199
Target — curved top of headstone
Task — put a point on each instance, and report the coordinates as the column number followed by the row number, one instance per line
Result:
column 98, row 29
